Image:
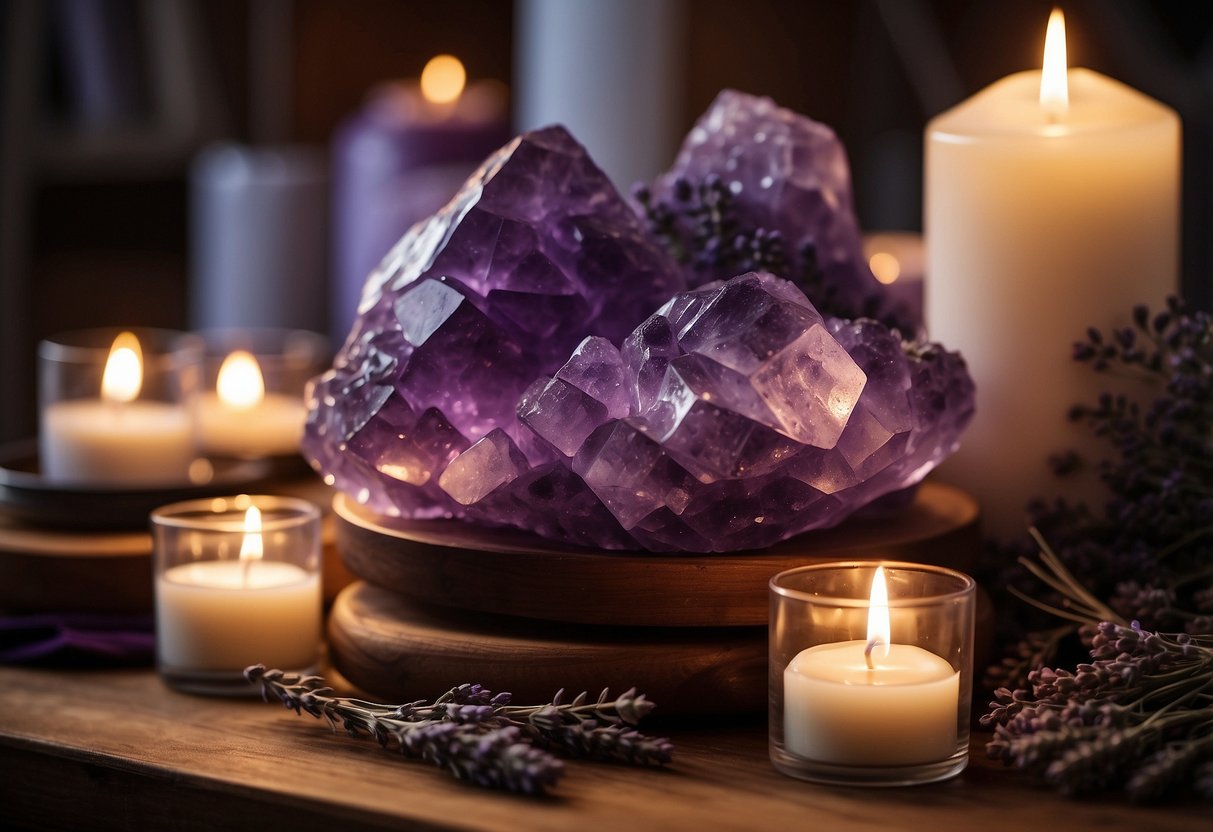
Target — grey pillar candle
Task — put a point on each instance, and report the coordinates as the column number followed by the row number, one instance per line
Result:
column 259, row 238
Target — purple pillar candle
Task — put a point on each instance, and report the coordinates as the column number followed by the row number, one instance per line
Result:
column 396, row 161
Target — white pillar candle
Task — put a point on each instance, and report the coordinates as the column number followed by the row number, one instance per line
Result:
column 110, row 443
column 870, row 702
column 1042, row 219
column 117, row 439
column 220, row 616
column 240, row 419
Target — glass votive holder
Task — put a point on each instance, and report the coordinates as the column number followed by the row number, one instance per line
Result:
column 115, row 406
column 252, row 405
column 237, row 583
column 866, row 691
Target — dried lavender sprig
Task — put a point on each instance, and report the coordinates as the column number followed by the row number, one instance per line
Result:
column 1109, row 723
column 700, row 226
column 1077, row 603
column 597, row 730
column 1171, row 764
column 1158, row 523
column 479, row 736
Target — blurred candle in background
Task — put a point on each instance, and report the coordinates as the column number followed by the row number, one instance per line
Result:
column 610, row 72
column 240, row 419
column 253, row 382
column 898, row 259
column 258, row 238
column 1052, row 205
column 398, row 160
column 113, row 435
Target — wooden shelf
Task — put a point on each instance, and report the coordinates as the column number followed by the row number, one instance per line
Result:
column 117, row 750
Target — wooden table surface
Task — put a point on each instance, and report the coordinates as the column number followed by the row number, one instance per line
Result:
column 115, row 749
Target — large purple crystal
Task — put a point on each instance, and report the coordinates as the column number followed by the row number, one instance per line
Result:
column 535, row 252
column 784, row 173
column 507, row 366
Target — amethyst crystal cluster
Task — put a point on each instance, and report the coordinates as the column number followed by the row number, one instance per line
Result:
column 508, row 367
column 758, row 186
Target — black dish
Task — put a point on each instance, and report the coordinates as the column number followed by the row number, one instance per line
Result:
column 28, row 498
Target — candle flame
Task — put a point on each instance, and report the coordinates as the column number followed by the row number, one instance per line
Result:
column 885, row 266
column 240, row 384
column 1054, row 85
column 879, row 628
column 252, row 548
column 123, row 375
column 442, row 79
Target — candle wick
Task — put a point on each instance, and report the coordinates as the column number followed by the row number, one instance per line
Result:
column 246, row 565
column 867, row 653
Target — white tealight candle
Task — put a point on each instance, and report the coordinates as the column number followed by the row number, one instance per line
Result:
column 117, row 439
column 1051, row 205
column 869, row 702
column 219, row 616
column 222, row 615
column 241, row 419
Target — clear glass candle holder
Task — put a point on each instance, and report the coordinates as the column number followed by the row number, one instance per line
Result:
column 855, row 706
column 237, row 583
column 116, row 406
column 253, row 382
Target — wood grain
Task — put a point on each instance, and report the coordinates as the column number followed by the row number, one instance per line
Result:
column 118, row 751
column 71, row 570
column 391, row 647
column 509, row 572
column 43, row 570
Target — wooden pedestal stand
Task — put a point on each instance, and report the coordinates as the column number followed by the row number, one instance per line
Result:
column 443, row 602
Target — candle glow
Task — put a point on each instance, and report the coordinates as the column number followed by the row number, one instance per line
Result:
column 1054, row 83
column 123, row 375
column 879, row 627
column 443, row 79
column 240, row 384
column 252, row 547
column 885, row 266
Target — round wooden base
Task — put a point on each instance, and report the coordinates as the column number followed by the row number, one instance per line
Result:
column 444, row 602
column 44, row 569
column 509, row 572
column 399, row 650
column 55, row 570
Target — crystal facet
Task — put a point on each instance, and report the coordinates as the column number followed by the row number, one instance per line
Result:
column 786, row 173
column 507, row 366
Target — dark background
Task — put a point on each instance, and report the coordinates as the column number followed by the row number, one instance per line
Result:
column 93, row 218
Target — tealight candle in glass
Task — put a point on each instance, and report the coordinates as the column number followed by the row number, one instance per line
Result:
column 871, row 671
column 115, row 406
column 253, row 406
column 237, row 583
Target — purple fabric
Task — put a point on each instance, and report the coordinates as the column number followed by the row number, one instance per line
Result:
column 77, row 638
